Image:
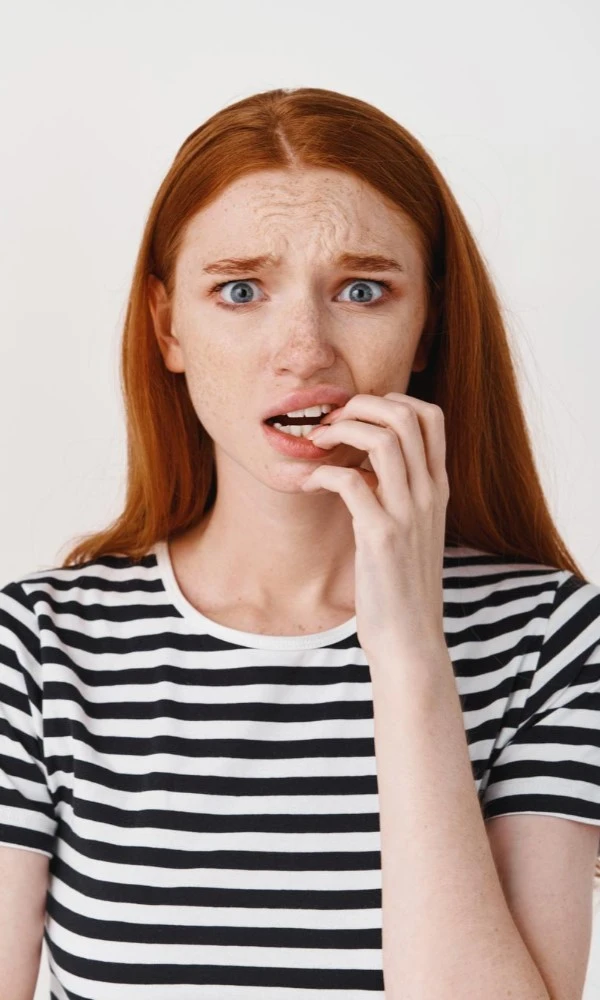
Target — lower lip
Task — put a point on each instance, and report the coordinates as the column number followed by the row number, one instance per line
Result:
column 296, row 447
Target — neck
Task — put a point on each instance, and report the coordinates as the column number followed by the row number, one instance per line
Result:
column 276, row 550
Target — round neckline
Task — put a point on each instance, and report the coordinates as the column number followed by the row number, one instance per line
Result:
column 253, row 640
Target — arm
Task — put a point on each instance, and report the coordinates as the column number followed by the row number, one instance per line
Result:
column 23, row 888
column 448, row 933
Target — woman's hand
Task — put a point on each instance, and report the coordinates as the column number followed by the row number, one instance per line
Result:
column 397, row 499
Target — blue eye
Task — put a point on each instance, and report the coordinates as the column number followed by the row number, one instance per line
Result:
column 239, row 284
column 245, row 297
column 365, row 281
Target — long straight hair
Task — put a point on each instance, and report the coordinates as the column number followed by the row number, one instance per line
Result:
column 496, row 500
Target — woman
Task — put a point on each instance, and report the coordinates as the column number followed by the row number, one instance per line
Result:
column 318, row 712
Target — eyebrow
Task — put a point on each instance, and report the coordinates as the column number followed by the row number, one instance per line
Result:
column 361, row 262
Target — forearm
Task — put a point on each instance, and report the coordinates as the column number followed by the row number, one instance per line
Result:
column 448, row 933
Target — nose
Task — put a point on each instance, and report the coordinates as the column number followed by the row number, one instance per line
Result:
column 304, row 338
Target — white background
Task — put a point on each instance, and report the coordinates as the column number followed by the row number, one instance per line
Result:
column 96, row 98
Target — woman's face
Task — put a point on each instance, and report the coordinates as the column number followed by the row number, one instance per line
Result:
column 300, row 321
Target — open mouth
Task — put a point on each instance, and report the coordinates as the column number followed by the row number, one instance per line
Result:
column 286, row 421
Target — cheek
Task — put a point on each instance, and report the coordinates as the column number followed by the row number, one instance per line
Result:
column 216, row 388
column 387, row 369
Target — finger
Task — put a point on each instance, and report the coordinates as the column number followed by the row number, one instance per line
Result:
column 397, row 454
column 352, row 486
column 396, row 411
column 432, row 424
column 385, row 454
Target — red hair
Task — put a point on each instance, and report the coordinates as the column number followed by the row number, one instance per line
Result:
column 496, row 499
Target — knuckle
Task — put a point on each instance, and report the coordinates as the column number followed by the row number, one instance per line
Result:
column 351, row 476
column 388, row 436
column 383, row 532
column 427, row 501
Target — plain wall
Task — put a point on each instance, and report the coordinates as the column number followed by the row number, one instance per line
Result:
column 96, row 98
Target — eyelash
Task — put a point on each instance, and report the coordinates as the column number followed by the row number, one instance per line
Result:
column 376, row 281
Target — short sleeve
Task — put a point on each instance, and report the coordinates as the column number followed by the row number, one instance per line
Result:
column 550, row 764
column 27, row 816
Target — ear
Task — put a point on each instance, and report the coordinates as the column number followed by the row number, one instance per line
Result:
column 421, row 358
column 161, row 313
column 423, row 351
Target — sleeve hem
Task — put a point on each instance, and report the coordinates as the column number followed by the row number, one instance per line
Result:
column 26, row 847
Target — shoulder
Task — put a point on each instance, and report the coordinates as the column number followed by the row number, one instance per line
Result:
column 506, row 609
column 53, row 590
column 493, row 588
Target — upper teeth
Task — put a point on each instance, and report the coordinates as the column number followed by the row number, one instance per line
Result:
column 311, row 411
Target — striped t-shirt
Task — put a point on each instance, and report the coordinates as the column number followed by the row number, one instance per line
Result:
column 208, row 797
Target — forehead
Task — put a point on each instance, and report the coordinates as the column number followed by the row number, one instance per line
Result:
column 312, row 209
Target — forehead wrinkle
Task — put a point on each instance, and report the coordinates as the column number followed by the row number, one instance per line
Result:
column 328, row 224
column 320, row 216
column 331, row 216
column 317, row 245
column 316, row 202
column 344, row 222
